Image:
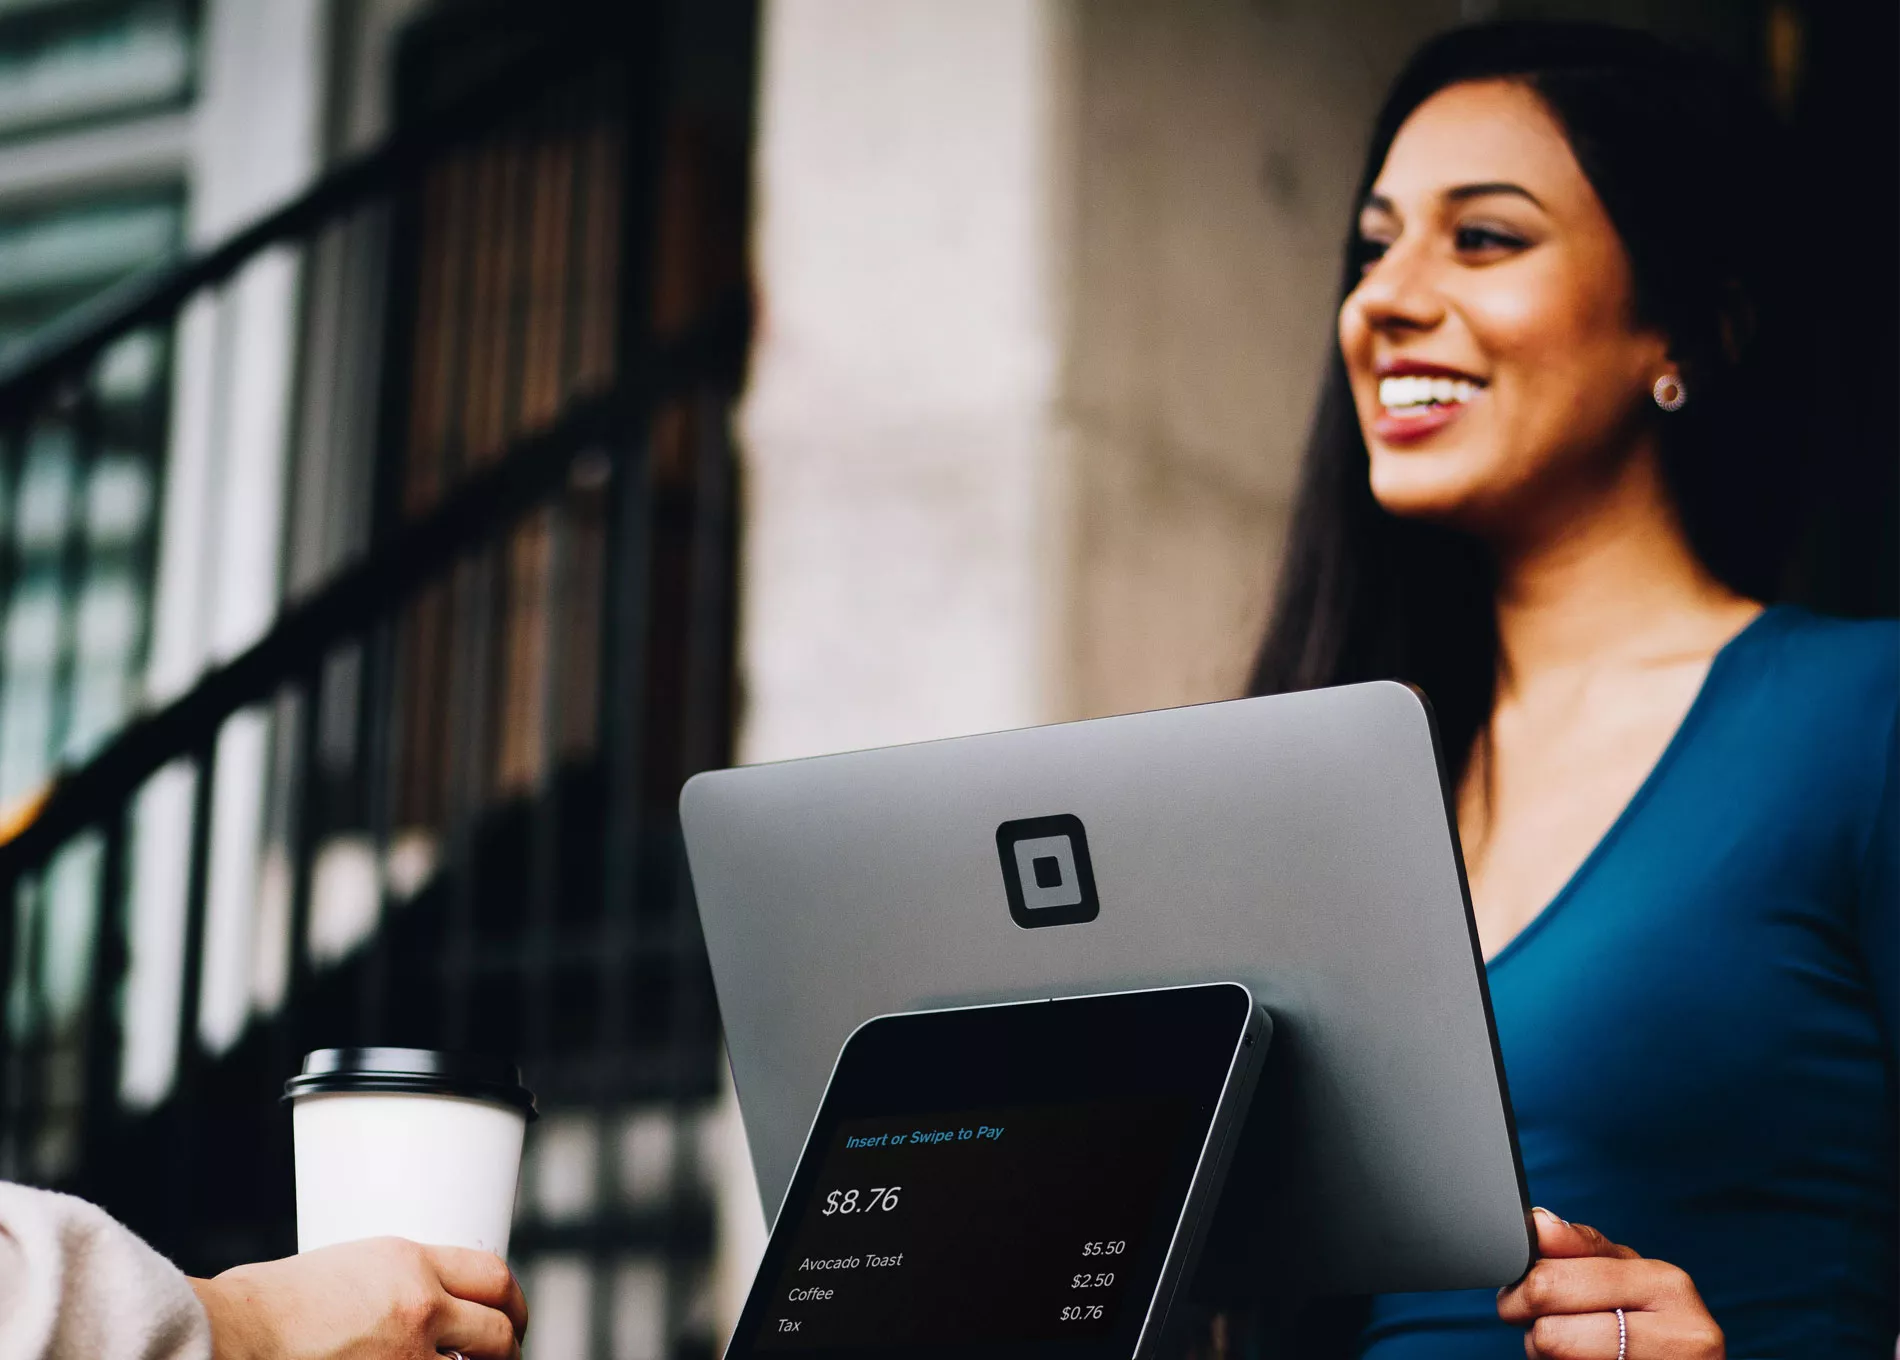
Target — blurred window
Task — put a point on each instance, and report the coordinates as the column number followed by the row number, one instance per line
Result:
column 56, row 257
column 80, row 485
column 65, row 62
column 84, row 484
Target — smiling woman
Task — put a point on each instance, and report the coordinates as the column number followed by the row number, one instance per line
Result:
column 1512, row 297
column 1551, row 482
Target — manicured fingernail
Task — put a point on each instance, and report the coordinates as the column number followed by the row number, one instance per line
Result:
column 1552, row 1217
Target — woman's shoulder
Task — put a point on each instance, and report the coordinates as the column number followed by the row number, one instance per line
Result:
column 1816, row 699
column 1851, row 666
column 1794, row 735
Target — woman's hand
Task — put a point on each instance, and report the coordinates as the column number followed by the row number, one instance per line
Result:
column 380, row 1299
column 1570, row 1297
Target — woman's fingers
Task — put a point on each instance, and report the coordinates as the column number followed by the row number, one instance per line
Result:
column 477, row 1331
column 1568, row 1301
column 1587, row 1336
column 481, row 1277
column 1594, row 1284
column 1679, row 1334
column 1558, row 1238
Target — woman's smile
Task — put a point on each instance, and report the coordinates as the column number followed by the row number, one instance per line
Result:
column 1417, row 400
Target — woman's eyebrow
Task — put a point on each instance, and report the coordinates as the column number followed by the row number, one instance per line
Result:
column 1458, row 193
column 1461, row 192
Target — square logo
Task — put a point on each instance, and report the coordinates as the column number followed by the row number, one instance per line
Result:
column 1046, row 871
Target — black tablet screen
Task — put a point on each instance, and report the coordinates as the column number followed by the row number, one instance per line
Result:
column 914, row 1224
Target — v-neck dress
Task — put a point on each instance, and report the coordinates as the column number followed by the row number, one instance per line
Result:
column 1699, row 1032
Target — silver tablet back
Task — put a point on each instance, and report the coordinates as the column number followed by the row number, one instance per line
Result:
column 1301, row 844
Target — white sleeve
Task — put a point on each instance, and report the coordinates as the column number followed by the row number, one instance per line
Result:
column 75, row 1285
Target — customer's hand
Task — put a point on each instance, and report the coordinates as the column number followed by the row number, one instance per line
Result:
column 1570, row 1297
column 380, row 1299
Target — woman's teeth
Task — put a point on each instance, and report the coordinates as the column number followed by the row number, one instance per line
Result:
column 1397, row 394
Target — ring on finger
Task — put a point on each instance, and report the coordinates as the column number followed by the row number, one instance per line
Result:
column 1622, row 1336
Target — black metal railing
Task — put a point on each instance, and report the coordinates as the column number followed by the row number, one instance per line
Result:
column 477, row 705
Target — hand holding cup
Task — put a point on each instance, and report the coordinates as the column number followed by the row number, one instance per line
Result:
column 395, row 1147
column 380, row 1299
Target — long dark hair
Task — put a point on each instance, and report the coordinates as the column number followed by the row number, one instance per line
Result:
column 1685, row 160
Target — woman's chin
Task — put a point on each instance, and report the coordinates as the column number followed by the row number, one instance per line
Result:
column 1419, row 486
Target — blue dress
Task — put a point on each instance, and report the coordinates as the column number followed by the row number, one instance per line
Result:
column 1699, row 1032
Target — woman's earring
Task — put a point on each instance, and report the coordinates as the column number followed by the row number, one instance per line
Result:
column 1669, row 392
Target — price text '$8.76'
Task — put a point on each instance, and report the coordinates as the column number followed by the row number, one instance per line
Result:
column 880, row 1199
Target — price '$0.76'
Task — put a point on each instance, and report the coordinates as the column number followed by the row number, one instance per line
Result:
column 879, row 1199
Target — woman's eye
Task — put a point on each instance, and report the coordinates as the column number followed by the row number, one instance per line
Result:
column 1477, row 240
column 1369, row 252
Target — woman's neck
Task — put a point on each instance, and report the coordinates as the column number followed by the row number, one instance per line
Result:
column 1615, row 583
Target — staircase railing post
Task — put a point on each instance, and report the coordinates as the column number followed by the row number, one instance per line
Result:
column 181, row 1185
column 104, row 1022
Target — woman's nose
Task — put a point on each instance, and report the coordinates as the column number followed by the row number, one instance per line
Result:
column 1398, row 293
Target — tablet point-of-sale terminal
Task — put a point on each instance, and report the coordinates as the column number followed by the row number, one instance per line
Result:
column 1028, row 1179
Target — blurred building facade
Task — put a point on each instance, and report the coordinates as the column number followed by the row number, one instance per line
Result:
column 366, row 597
column 94, row 155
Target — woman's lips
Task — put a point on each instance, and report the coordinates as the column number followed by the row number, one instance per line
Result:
column 1417, row 403
column 1410, row 425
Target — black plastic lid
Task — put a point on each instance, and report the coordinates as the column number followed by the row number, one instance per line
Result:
column 417, row 1071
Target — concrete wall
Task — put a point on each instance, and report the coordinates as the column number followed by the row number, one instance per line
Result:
column 1216, row 143
column 1047, row 287
column 900, row 531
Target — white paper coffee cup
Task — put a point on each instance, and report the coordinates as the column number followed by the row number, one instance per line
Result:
column 407, row 1142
